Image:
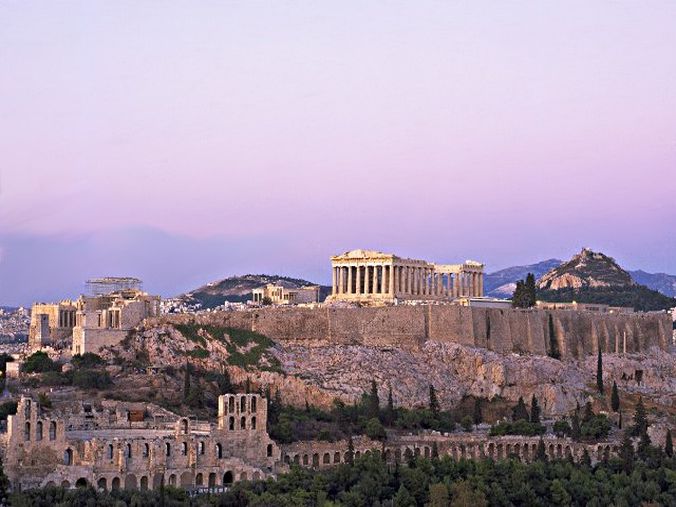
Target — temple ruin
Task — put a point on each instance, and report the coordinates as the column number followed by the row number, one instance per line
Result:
column 368, row 276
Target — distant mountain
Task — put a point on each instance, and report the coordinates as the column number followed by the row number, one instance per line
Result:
column 238, row 289
column 666, row 284
column 586, row 269
column 501, row 284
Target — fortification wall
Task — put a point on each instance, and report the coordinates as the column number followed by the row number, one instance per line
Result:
column 575, row 334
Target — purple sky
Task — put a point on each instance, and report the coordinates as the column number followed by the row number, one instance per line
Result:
column 235, row 137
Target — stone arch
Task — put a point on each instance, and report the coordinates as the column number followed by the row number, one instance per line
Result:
column 256, row 475
column 517, row 450
column 599, row 453
column 219, row 451
column 388, row 455
column 52, row 430
column 551, row 451
column 231, row 404
column 491, row 450
column 569, row 453
column 508, row 450
column 253, row 423
column 269, row 451
column 326, row 460
column 27, row 431
column 242, row 476
column 500, row 451
column 357, row 455
column 184, row 448
column 158, row 480
column 201, row 447
column 559, row 451
column 38, row 431
column 397, row 456
column 146, row 450
column 287, row 459
column 110, row 451
column 184, row 426
column 346, row 457
column 305, row 459
column 68, row 456
column 102, row 483
column 253, row 403
column 416, row 451
column 50, row 484
column 212, row 480
column 186, row 479
column 242, row 422
column 227, row 478
column 144, row 483
column 315, row 459
column 115, row 483
column 128, row 451
column 231, row 423
column 81, row 483
column 296, row 459
column 167, row 449
column 242, row 404
column 336, row 457
column 172, row 480
column 199, row 480
column 65, row 485
column 130, row 482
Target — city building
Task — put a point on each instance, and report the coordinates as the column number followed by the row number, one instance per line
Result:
column 367, row 276
column 280, row 295
column 583, row 307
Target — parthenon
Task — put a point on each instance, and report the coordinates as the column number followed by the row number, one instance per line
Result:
column 371, row 276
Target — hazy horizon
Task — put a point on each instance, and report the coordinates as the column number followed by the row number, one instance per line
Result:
column 186, row 142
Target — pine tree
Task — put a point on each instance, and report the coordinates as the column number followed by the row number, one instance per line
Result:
column 434, row 403
column 534, row 410
column 586, row 459
column 520, row 411
column 599, row 372
column 530, row 290
column 186, row 381
column 669, row 445
column 615, row 398
column 644, row 445
column 477, row 416
column 627, row 453
column 640, row 418
column 575, row 431
column 435, row 450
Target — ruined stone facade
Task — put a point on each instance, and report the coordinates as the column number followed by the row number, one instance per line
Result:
column 137, row 446
column 576, row 334
column 367, row 276
column 280, row 295
column 89, row 323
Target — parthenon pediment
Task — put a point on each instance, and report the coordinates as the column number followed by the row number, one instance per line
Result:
column 361, row 254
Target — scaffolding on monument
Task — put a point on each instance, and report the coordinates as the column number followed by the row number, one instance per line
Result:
column 108, row 284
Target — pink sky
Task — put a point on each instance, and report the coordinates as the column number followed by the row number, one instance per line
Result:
column 502, row 131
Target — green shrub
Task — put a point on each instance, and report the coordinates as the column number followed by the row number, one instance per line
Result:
column 39, row 362
column 374, row 430
column 520, row 427
column 91, row 379
column 198, row 353
column 87, row 360
column 562, row 428
column 467, row 423
column 7, row 408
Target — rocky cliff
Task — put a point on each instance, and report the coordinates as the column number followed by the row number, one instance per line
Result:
column 586, row 269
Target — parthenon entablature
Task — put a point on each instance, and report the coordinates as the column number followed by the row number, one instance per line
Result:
column 373, row 276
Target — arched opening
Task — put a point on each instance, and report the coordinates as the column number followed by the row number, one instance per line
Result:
column 201, row 447
column 231, row 404
column 158, row 481
column 242, row 476
column 256, row 476
column 269, row 450
column 242, row 404
column 186, row 479
column 101, row 484
column 219, row 451
column 306, row 460
column 115, row 484
column 253, row 404
column 326, row 459
column 27, row 431
column 146, row 450
column 296, row 459
column 52, row 430
column 227, row 478
column 212, row 480
column 184, row 448
column 110, row 451
column 68, row 457
column 65, row 485
column 172, row 480
column 144, row 483
column 336, row 457
column 81, row 483
column 128, row 452
column 199, row 480
column 357, row 455
column 253, row 423
column 242, row 423
column 167, row 449
column 130, row 482
column 231, row 423
column 315, row 460
column 287, row 459
column 38, row 431
column 184, row 425
column 27, row 409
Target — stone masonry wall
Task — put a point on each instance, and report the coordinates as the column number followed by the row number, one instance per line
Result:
column 577, row 334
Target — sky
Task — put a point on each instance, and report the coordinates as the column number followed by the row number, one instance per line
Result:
column 182, row 142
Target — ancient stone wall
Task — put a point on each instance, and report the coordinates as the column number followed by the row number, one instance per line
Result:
column 575, row 334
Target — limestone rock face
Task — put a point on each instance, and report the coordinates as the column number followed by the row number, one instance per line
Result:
column 586, row 269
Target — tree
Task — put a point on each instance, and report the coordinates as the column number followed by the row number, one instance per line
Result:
column 640, row 418
column 434, row 403
column 558, row 493
column 669, row 445
column 266, row 301
column 541, row 453
column 520, row 411
column 615, row 398
column 466, row 423
column 403, row 498
column 464, row 495
column 588, row 412
column 435, row 450
column 524, row 293
column 644, row 445
column 599, row 372
column 186, row 381
column 534, row 410
column 586, row 459
column 373, row 410
column 530, row 289
column 374, row 429
column 627, row 453
column 438, row 495
column 350, row 451
column 575, row 430
column 477, row 416
column 389, row 415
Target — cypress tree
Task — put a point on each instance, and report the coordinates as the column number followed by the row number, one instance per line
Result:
column 541, row 453
column 586, row 459
column 520, row 411
column 530, row 290
column 640, row 418
column 627, row 453
column 186, row 381
column 477, row 416
column 669, row 445
column 599, row 372
column 350, row 451
column 435, row 450
column 374, row 402
column 534, row 410
column 615, row 398
column 575, row 426
column 434, row 403
column 588, row 412
column 389, row 412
